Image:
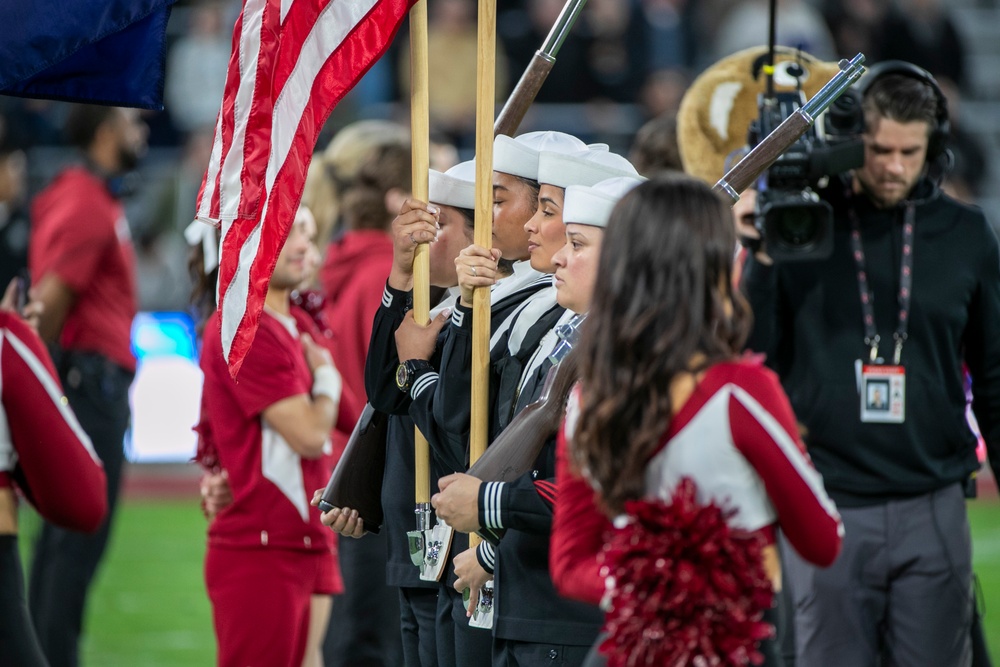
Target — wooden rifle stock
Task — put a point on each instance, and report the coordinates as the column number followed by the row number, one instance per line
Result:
column 356, row 482
column 524, row 94
column 515, row 450
column 538, row 69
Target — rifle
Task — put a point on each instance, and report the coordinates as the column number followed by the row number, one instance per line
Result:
column 359, row 471
column 515, row 450
column 505, row 459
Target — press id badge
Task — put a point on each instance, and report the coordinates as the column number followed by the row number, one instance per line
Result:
column 883, row 394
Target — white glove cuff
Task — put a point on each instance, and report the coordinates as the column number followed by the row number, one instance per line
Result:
column 327, row 382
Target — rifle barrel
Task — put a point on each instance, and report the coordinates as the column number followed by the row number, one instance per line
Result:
column 560, row 29
column 850, row 71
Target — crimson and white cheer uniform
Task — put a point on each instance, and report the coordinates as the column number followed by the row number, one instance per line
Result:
column 45, row 453
column 42, row 446
column 737, row 439
column 268, row 552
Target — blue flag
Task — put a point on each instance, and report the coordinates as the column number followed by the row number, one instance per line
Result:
column 93, row 51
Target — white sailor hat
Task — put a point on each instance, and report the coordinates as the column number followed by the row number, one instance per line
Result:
column 587, row 167
column 592, row 204
column 519, row 155
column 455, row 187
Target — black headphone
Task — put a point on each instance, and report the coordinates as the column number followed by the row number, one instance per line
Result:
column 938, row 139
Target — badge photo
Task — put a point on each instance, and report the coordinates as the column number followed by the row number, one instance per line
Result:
column 883, row 394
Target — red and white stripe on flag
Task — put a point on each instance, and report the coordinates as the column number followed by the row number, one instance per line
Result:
column 292, row 62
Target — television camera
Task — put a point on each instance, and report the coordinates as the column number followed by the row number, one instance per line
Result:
column 794, row 223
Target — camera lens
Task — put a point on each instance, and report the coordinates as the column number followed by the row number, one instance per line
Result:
column 844, row 117
column 797, row 226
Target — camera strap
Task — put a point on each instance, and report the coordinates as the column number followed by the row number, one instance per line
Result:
column 905, row 284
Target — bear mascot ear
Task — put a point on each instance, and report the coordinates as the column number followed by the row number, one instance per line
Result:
column 717, row 109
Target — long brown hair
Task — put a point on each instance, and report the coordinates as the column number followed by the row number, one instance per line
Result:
column 203, row 286
column 662, row 298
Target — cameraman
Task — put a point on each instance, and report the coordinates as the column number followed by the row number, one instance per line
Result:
column 910, row 292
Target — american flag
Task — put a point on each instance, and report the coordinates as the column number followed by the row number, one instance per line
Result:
column 292, row 62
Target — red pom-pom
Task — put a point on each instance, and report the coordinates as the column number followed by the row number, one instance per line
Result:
column 687, row 589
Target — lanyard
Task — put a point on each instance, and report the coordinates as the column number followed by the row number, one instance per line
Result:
column 905, row 284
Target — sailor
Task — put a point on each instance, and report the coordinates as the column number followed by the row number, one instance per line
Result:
column 447, row 223
column 533, row 624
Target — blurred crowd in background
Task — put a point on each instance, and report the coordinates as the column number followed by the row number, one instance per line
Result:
column 625, row 62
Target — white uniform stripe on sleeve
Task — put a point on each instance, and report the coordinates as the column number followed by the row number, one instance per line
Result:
column 492, row 502
column 788, row 447
column 51, row 388
column 422, row 383
column 488, row 552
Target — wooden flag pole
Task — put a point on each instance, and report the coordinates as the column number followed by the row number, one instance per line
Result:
column 483, row 234
column 420, row 137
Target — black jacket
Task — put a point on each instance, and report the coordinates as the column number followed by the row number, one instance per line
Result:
column 808, row 321
column 527, row 607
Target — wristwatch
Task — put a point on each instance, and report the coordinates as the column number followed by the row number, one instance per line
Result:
column 407, row 371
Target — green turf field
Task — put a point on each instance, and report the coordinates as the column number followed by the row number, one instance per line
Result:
column 148, row 607
column 984, row 515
